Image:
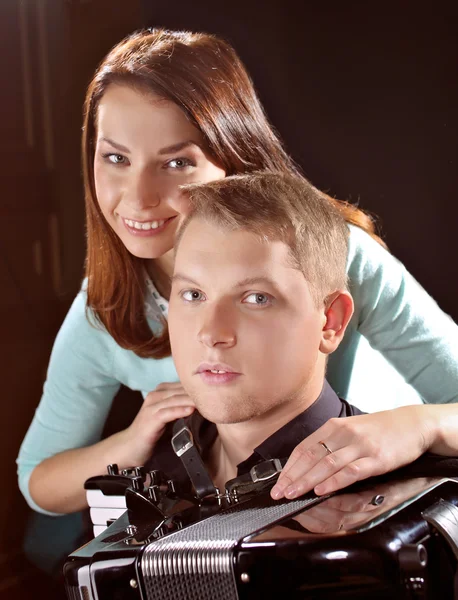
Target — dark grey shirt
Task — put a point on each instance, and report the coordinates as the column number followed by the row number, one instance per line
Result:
column 279, row 445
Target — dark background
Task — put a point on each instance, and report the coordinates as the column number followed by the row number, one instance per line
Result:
column 363, row 94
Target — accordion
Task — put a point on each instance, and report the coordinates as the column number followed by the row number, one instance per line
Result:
column 386, row 537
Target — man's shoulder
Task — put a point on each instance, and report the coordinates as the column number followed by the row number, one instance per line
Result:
column 349, row 410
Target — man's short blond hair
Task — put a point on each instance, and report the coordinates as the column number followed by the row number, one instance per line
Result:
column 277, row 206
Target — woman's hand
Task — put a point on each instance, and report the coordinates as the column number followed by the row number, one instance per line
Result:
column 166, row 403
column 359, row 447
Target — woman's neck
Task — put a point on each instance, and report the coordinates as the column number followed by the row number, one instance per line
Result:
column 160, row 270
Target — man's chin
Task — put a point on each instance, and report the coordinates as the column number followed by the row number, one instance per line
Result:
column 227, row 415
column 224, row 408
column 230, row 419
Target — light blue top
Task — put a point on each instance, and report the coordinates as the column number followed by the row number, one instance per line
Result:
column 392, row 313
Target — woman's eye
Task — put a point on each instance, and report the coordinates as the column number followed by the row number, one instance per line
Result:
column 258, row 299
column 116, row 159
column 180, row 163
column 192, row 296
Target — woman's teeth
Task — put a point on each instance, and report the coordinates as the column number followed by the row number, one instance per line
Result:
column 145, row 226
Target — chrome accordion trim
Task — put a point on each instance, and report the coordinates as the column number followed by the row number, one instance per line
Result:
column 196, row 563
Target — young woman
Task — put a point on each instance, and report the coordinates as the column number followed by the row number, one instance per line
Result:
column 164, row 109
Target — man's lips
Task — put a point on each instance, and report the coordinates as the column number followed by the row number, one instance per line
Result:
column 217, row 373
column 215, row 367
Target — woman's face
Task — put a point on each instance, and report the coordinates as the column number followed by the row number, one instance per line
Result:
column 145, row 149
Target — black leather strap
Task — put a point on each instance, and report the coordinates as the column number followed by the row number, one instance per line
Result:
column 259, row 477
column 184, row 448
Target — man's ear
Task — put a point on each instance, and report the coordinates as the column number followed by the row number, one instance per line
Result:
column 338, row 312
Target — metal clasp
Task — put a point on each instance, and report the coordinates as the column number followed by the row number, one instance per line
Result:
column 182, row 441
column 265, row 470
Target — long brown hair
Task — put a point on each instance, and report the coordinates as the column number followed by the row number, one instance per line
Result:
column 203, row 75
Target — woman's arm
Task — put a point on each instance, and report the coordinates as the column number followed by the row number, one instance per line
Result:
column 62, row 448
column 76, row 399
column 366, row 445
column 56, row 484
column 401, row 321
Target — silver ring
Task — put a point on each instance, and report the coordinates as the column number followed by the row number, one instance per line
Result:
column 328, row 450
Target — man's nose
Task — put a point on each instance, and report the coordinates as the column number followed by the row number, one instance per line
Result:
column 218, row 327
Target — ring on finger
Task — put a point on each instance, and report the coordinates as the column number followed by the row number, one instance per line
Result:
column 328, row 450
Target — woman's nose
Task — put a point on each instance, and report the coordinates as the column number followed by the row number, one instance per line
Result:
column 145, row 190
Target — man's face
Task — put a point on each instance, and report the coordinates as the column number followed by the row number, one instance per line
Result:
column 244, row 329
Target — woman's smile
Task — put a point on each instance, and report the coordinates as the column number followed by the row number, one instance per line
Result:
column 147, row 228
column 146, row 149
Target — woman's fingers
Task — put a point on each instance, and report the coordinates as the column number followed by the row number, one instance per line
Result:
column 302, row 459
column 168, row 385
column 171, row 413
column 350, row 449
column 352, row 472
column 165, row 393
column 318, row 466
column 173, row 400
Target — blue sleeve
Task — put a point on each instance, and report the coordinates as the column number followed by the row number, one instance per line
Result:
column 77, row 395
column 401, row 321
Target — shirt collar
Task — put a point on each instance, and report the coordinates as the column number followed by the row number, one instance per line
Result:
column 281, row 443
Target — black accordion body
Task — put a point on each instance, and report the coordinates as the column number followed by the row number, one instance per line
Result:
column 384, row 538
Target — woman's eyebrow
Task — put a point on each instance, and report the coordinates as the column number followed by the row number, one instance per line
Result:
column 119, row 147
column 178, row 147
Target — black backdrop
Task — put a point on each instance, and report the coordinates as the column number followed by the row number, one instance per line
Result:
column 365, row 96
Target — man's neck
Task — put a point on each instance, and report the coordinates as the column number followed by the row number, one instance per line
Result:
column 236, row 441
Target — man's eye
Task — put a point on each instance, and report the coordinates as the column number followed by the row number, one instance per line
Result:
column 116, row 159
column 180, row 163
column 192, row 296
column 258, row 299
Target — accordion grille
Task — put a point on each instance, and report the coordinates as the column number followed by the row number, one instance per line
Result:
column 196, row 563
column 76, row 593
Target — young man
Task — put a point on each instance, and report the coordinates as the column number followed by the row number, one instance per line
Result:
column 259, row 300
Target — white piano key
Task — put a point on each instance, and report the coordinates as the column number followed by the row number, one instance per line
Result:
column 97, row 498
column 100, row 516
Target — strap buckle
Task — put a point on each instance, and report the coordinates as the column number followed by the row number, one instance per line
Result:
column 182, row 441
column 266, row 470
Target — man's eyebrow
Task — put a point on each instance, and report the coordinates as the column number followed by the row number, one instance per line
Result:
column 119, row 147
column 242, row 283
column 254, row 280
column 183, row 279
column 177, row 147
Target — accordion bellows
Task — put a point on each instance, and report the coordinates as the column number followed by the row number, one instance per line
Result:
column 196, row 563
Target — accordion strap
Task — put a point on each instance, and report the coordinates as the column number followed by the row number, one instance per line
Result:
column 184, row 447
column 261, row 476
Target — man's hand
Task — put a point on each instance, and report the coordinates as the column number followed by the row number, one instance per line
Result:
column 166, row 403
column 361, row 446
